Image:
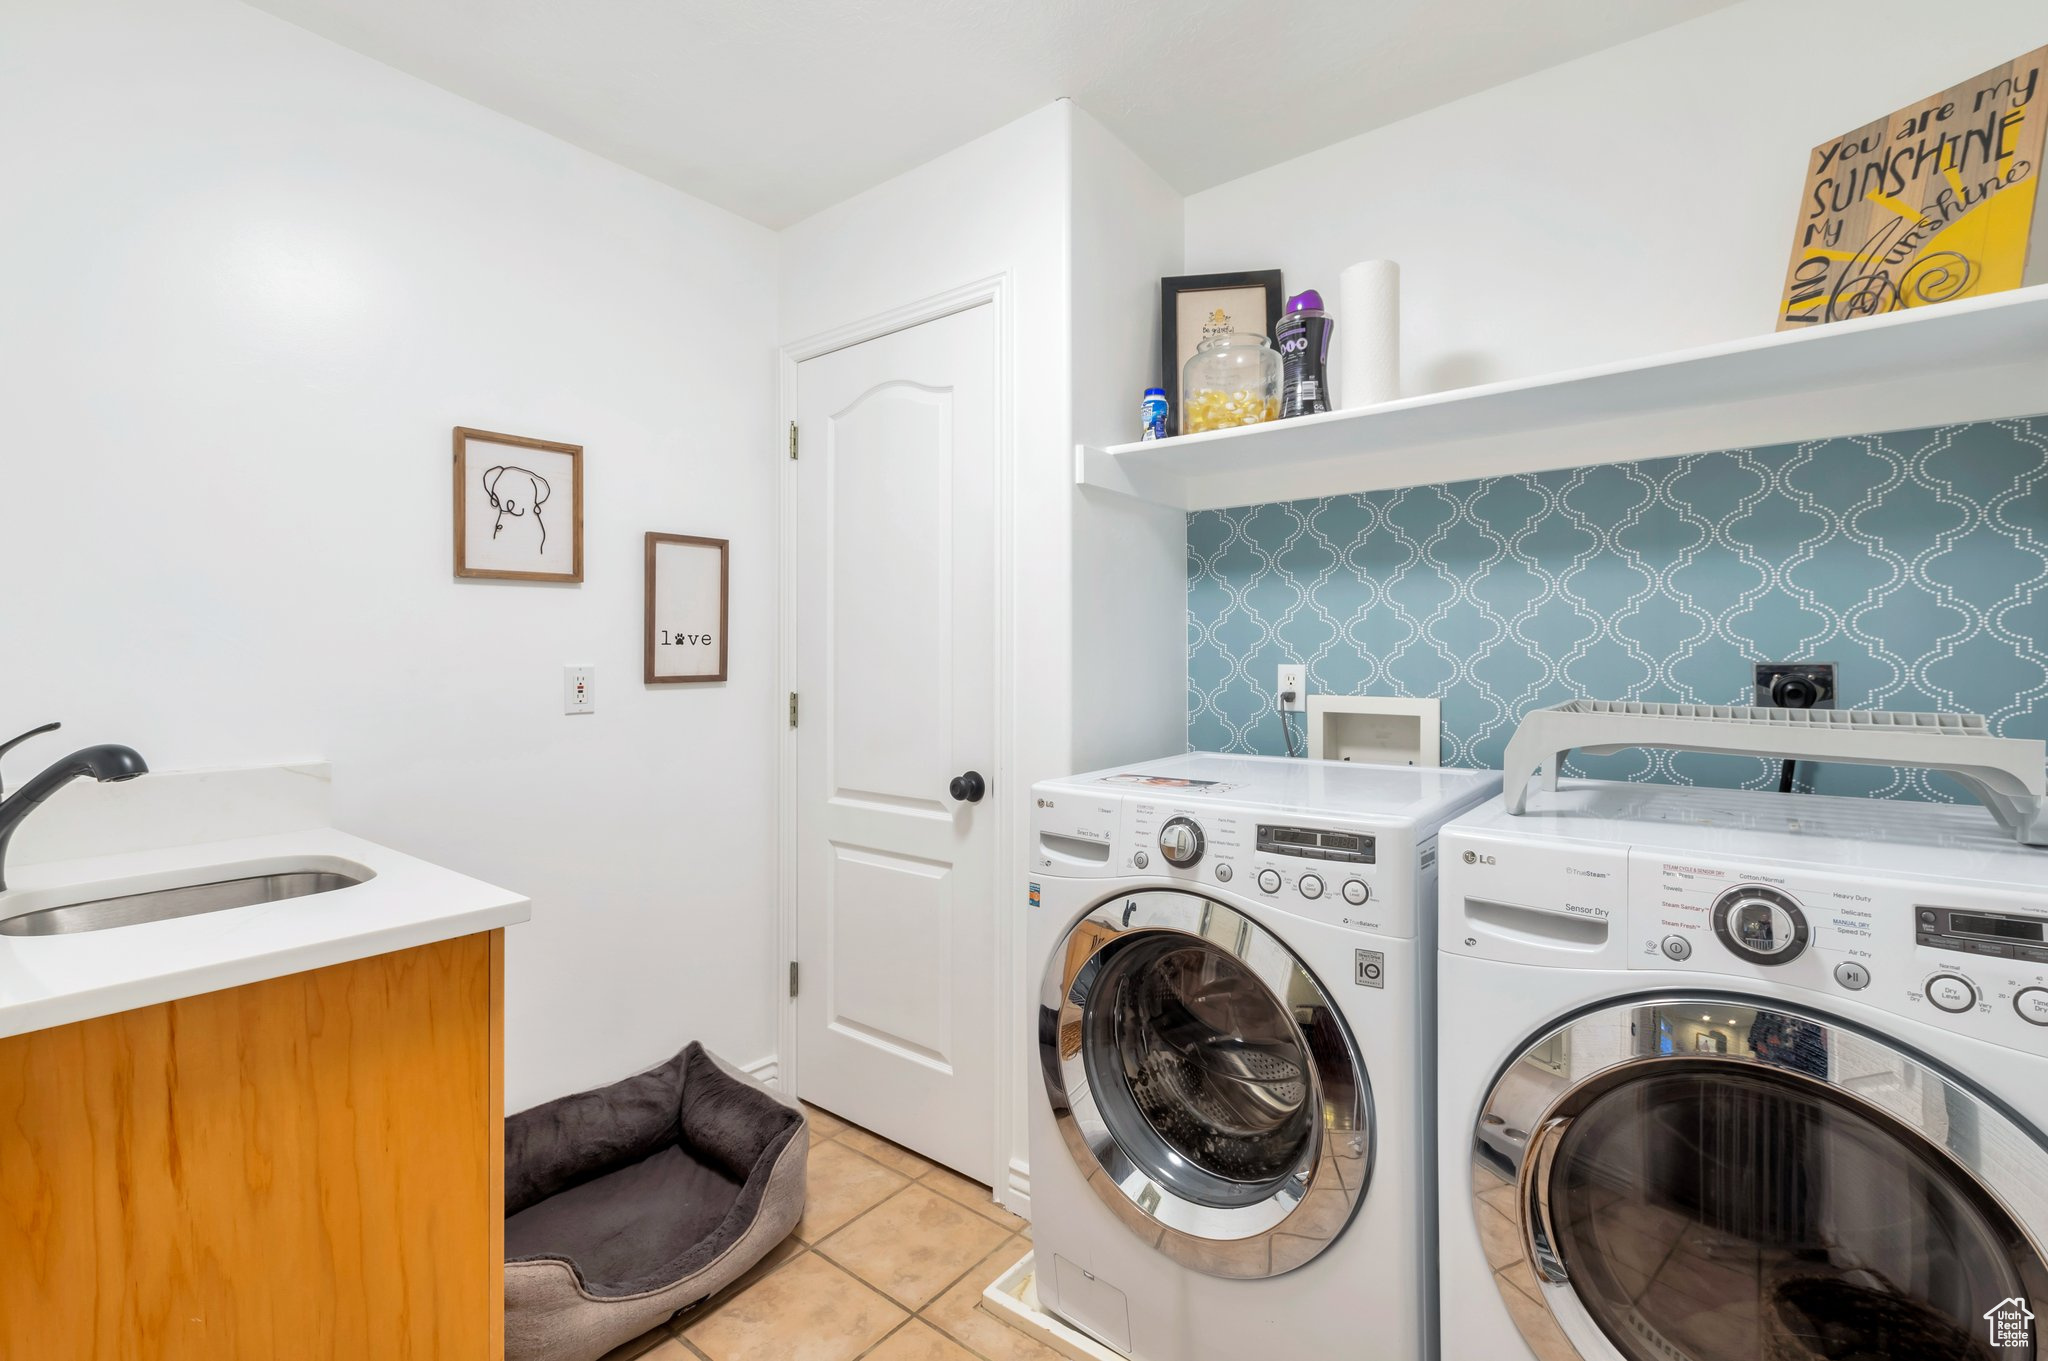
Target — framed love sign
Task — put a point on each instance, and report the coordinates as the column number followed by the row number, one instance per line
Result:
column 686, row 609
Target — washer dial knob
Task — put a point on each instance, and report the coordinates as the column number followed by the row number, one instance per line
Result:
column 1180, row 841
column 1356, row 892
column 1311, row 885
column 1269, row 881
column 1761, row 925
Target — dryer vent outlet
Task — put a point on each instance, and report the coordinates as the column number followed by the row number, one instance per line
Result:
column 1795, row 685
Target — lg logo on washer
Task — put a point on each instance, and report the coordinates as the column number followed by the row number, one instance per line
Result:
column 1475, row 858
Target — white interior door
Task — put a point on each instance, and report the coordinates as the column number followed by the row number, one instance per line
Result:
column 895, row 669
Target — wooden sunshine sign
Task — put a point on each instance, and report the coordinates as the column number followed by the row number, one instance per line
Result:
column 1934, row 203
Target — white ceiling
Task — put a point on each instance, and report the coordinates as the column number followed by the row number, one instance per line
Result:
column 777, row 108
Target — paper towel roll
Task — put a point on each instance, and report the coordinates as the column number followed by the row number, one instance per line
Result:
column 1369, row 333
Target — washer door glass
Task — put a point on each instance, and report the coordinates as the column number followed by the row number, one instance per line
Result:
column 1205, row 1083
column 1202, row 1072
column 1728, row 1216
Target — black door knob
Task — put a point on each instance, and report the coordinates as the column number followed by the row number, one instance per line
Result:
column 969, row 788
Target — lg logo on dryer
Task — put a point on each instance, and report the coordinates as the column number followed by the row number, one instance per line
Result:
column 1475, row 858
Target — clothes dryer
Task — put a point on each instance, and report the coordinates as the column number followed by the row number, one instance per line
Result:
column 1736, row 1075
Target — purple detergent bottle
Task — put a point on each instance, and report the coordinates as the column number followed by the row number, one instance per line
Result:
column 1304, row 338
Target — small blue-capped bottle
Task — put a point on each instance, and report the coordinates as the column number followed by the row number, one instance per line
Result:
column 1154, row 414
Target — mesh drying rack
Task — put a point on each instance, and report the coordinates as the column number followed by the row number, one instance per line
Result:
column 2008, row 775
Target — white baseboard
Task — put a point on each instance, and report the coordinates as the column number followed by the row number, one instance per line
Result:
column 766, row 1071
column 1016, row 1196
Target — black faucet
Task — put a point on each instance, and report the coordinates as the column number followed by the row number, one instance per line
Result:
column 102, row 763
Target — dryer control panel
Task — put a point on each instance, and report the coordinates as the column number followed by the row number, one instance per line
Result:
column 1967, row 958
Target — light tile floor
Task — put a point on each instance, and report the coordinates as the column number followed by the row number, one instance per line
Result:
column 888, row 1264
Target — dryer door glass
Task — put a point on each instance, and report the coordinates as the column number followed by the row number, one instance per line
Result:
column 1725, row 1216
column 1703, row 1179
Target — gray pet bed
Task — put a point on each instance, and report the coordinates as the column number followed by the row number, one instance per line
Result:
column 626, row 1204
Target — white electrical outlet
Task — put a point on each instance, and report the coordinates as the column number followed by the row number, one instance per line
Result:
column 579, row 689
column 1294, row 678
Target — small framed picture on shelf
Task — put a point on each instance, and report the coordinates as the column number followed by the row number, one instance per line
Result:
column 686, row 608
column 518, row 507
column 1196, row 306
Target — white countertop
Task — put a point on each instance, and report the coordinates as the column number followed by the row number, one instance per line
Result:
column 55, row 980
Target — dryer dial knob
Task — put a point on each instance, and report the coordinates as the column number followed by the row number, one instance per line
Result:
column 1759, row 924
column 1951, row 993
column 2032, row 1005
column 1180, row 841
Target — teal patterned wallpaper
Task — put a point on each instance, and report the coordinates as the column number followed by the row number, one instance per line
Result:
column 1915, row 561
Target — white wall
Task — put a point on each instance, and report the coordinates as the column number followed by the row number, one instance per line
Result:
column 251, row 281
column 1638, row 200
column 1130, row 629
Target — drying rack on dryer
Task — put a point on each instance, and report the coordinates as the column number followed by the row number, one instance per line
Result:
column 2008, row 775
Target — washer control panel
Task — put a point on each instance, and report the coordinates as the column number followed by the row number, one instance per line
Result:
column 1368, row 880
column 1318, row 843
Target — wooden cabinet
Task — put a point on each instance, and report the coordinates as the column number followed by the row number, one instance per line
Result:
column 306, row 1167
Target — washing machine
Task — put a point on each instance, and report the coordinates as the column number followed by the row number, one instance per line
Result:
column 1735, row 1075
column 1230, row 1152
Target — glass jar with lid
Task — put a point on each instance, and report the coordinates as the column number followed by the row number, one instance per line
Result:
column 1231, row 379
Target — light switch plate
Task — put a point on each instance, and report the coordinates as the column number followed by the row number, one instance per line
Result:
column 579, row 689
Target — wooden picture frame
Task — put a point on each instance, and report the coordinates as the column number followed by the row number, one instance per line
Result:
column 494, row 494
column 682, row 639
column 1176, row 345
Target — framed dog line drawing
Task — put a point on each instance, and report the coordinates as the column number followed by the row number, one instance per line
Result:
column 518, row 507
column 688, row 602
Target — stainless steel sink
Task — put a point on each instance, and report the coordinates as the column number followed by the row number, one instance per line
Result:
column 164, row 904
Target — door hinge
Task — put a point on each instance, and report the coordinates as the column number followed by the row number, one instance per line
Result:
column 792, row 439
column 792, row 708
column 792, row 978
